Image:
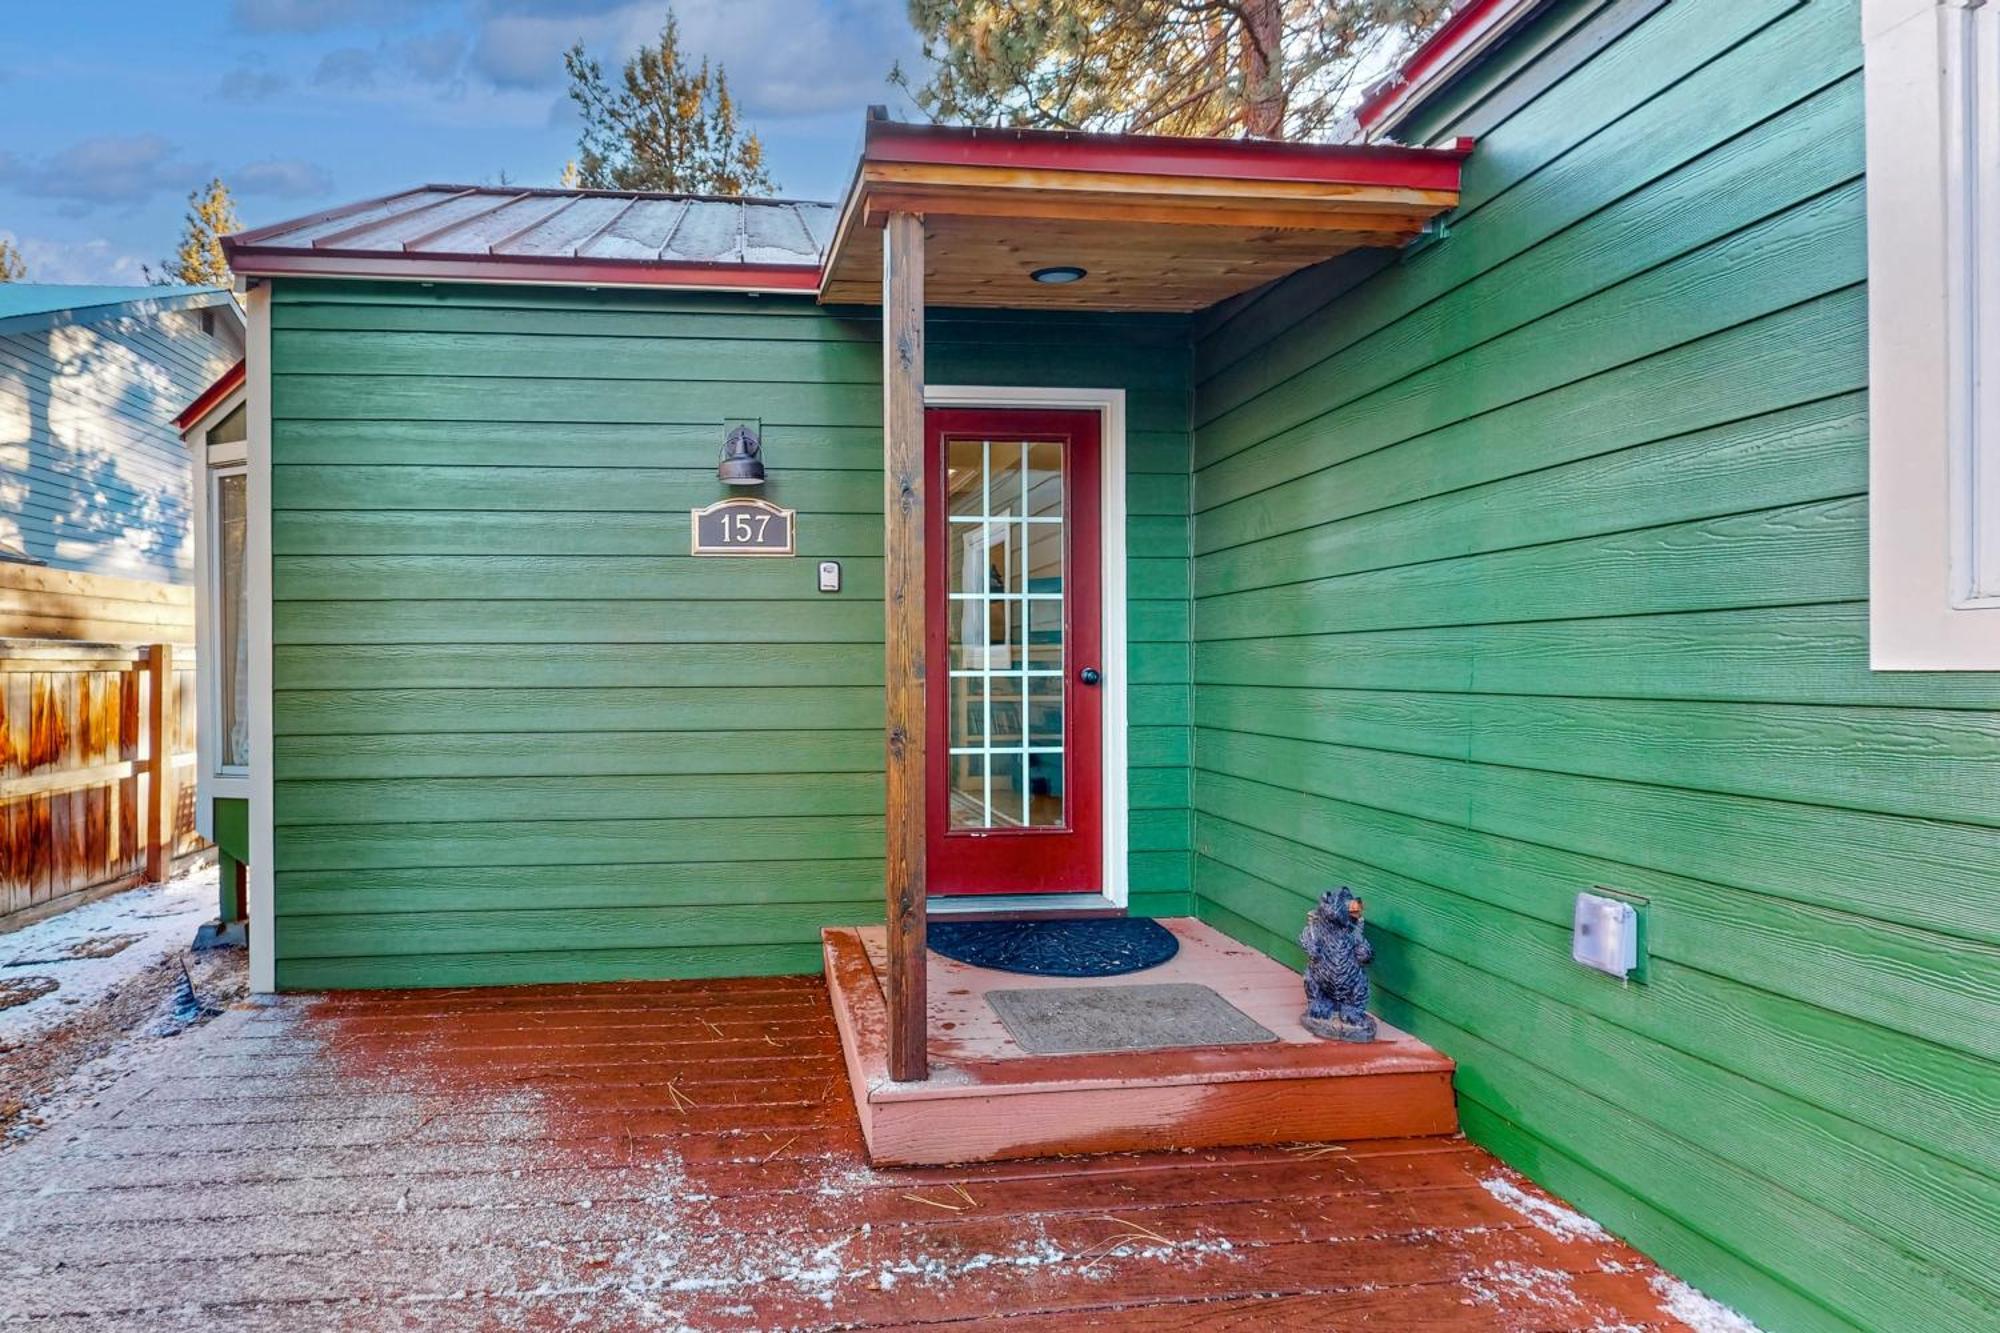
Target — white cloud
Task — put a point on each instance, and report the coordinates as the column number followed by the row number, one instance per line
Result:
column 250, row 83
column 525, row 51
column 80, row 260
column 435, row 56
column 350, row 68
column 783, row 57
column 108, row 169
column 286, row 178
column 318, row 15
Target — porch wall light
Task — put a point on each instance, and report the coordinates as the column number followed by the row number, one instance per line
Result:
column 1057, row 275
column 742, row 462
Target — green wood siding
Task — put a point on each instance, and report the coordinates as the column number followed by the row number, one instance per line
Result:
column 1535, row 559
column 521, row 734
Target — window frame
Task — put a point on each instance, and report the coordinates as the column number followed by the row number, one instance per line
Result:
column 1932, row 80
column 216, row 780
column 218, row 469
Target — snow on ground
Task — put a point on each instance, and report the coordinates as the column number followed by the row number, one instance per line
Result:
column 134, row 929
column 1683, row 1302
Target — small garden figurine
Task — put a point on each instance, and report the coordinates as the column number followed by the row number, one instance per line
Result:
column 1337, row 956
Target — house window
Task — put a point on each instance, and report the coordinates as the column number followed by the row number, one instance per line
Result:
column 229, row 509
column 1933, row 129
column 232, row 429
column 228, row 529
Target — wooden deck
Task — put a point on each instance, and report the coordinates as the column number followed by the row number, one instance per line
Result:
column 684, row 1155
column 989, row 1100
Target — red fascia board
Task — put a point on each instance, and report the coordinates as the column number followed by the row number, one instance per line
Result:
column 1160, row 155
column 231, row 381
column 1469, row 22
column 251, row 261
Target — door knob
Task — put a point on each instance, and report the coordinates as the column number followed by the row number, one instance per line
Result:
column 1089, row 675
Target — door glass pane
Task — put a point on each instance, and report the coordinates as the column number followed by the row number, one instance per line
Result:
column 1005, row 552
column 968, row 790
column 1044, row 648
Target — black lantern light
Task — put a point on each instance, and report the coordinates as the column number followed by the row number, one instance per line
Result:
column 742, row 458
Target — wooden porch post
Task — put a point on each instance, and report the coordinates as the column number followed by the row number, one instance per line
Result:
column 903, row 578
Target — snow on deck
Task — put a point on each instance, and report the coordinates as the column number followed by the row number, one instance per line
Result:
column 685, row 1155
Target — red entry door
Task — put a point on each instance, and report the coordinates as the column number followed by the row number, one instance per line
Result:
column 1013, row 618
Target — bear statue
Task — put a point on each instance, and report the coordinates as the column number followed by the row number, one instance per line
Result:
column 1337, row 955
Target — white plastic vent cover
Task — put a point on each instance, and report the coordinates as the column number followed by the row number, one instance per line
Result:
column 1605, row 935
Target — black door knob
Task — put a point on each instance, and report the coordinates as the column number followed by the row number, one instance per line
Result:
column 1089, row 675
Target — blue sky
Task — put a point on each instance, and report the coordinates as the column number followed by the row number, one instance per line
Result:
column 114, row 109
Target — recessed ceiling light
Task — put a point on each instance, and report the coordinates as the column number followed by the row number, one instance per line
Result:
column 1058, row 274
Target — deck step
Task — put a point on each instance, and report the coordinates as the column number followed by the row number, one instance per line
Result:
column 987, row 1100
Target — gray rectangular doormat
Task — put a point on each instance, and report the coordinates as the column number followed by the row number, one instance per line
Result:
column 1067, row 1020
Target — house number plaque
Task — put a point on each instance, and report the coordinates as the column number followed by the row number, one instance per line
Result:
column 743, row 526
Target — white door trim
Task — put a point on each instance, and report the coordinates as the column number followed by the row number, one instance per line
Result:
column 1109, row 404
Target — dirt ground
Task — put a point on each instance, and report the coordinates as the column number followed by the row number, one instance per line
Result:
column 83, row 993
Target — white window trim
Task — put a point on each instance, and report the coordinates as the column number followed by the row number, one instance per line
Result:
column 1109, row 404
column 225, row 780
column 1934, row 438
column 207, row 462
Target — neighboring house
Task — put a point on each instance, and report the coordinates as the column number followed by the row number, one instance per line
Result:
column 1479, row 524
column 94, row 474
column 96, row 563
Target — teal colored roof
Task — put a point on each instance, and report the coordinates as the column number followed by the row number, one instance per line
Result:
column 32, row 304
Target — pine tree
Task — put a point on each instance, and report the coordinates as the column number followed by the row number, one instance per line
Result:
column 199, row 262
column 13, row 268
column 1269, row 69
column 665, row 127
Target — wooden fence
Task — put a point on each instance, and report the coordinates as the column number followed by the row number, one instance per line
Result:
column 96, row 770
column 41, row 603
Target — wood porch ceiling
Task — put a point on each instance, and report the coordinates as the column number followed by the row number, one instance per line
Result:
column 1159, row 224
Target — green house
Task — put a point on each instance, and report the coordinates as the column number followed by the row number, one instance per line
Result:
column 1581, row 484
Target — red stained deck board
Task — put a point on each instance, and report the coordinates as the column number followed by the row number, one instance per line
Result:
column 378, row 1177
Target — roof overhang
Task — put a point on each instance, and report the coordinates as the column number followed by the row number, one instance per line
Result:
column 1158, row 223
column 212, row 399
column 1457, row 44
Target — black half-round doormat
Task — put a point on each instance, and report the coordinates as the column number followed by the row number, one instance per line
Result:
column 1089, row 947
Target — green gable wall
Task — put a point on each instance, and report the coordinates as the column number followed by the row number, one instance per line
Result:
column 520, row 734
column 1535, row 560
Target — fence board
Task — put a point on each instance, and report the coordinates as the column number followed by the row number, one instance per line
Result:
column 76, row 756
column 38, row 603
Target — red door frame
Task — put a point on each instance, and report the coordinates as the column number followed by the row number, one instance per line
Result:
column 986, row 861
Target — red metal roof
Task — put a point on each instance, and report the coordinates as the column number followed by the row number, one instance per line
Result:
column 229, row 382
column 582, row 236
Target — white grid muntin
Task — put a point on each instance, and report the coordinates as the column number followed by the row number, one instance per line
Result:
column 983, row 528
